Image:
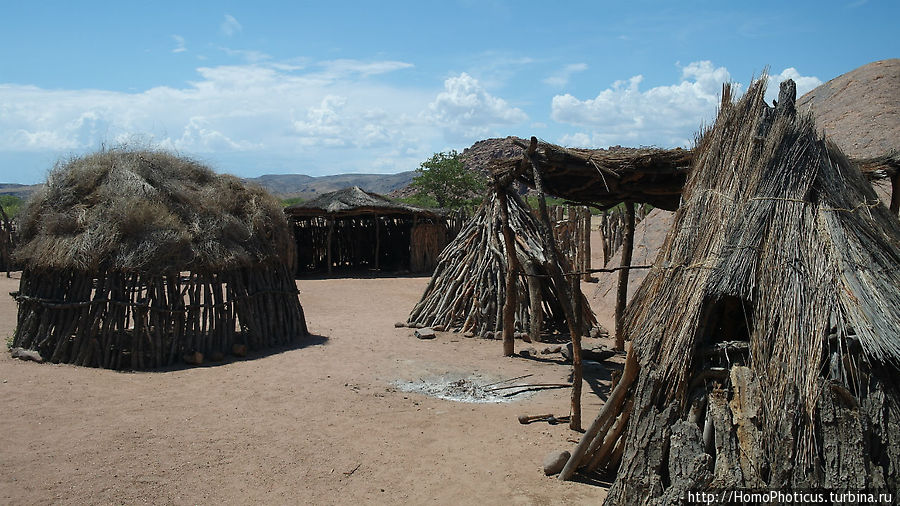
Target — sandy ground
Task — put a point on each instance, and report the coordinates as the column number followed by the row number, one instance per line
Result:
column 320, row 423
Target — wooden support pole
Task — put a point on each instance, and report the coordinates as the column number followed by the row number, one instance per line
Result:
column 565, row 300
column 377, row 242
column 536, row 307
column 622, row 292
column 328, row 241
column 512, row 267
column 895, row 193
column 586, row 245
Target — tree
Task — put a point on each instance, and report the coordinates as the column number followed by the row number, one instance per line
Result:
column 444, row 178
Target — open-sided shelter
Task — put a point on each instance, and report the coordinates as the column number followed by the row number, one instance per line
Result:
column 355, row 229
column 133, row 259
column 767, row 334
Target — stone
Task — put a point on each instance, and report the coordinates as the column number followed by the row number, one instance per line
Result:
column 425, row 333
column 468, row 334
column 487, row 335
column 549, row 350
column 528, row 352
column 239, row 350
column 599, row 332
column 419, row 325
column 438, row 328
column 23, row 354
column 555, row 461
column 399, row 325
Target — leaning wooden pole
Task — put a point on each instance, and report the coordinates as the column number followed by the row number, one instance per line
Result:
column 895, row 193
column 512, row 267
column 622, row 292
column 565, row 300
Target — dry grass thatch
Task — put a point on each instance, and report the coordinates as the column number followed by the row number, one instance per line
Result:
column 781, row 253
column 149, row 211
column 138, row 259
column 468, row 288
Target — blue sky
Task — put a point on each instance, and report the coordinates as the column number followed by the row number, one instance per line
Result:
column 329, row 87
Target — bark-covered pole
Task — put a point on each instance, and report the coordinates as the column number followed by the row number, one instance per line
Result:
column 895, row 193
column 565, row 300
column 622, row 293
column 512, row 268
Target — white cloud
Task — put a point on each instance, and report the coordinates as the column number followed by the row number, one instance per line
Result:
column 626, row 114
column 467, row 111
column 337, row 68
column 230, row 26
column 664, row 116
column 248, row 55
column 561, row 77
column 250, row 112
column 179, row 44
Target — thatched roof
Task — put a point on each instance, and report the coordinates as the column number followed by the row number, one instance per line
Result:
column 781, row 244
column 606, row 177
column 149, row 211
column 354, row 201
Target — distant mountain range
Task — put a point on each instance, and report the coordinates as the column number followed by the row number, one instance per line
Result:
column 286, row 186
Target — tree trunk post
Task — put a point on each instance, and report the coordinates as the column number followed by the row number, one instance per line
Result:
column 622, row 293
column 565, row 300
column 512, row 266
column 328, row 247
column 377, row 242
column 895, row 193
column 535, row 300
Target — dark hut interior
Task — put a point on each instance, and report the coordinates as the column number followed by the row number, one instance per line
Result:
column 352, row 229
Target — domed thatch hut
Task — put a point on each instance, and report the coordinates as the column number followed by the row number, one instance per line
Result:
column 132, row 259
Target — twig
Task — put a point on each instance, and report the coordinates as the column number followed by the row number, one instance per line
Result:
column 538, row 387
column 558, row 385
column 348, row 473
column 506, row 381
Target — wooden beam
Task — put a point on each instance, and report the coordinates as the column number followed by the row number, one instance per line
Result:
column 328, row 247
column 512, row 267
column 622, row 292
column 378, row 241
column 565, row 300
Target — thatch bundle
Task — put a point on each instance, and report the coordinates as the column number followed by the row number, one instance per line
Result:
column 133, row 258
column 468, row 289
column 766, row 335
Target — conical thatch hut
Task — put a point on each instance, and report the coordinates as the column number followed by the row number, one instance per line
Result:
column 468, row 290
column 353, row 229
column 766, row 338
column 134, row 259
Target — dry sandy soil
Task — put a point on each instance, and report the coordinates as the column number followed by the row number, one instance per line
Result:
column 320, row 423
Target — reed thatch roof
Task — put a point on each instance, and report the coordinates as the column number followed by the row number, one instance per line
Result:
column 780, row 244
column 354, row 201
column 149, row 211
column 605, row 177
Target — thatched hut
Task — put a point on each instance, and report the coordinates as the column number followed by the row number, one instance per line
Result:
column 355, row 229
column 766, row 338
column 468, row 289
column 134, row 259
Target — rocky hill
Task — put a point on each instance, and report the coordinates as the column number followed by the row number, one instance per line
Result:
column 860, row 110
column 307, row 187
